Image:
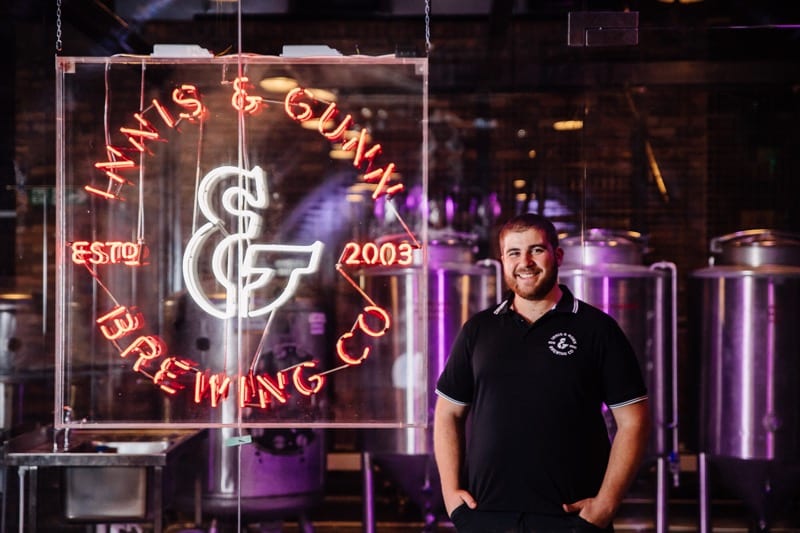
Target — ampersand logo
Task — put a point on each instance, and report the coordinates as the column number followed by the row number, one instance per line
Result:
column 563, row 344
column 252, row 274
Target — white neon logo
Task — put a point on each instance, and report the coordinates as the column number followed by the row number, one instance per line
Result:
column 251, row 276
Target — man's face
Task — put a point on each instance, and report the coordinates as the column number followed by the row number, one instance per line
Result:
column 530, row 264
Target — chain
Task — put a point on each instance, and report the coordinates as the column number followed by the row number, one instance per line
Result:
column 427, row 27
column 59, row 44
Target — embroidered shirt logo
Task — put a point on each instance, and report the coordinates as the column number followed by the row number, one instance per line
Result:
column 562, row 344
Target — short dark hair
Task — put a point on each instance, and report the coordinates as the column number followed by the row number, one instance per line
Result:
column 528, row 221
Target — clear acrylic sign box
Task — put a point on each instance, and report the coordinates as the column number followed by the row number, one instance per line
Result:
column 241, row 242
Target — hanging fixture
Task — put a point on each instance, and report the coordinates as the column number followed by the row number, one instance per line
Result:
column 278, row 84
column 567, row 125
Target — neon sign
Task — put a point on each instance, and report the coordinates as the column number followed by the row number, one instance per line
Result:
column 243, row 267
column 122, row 322
column 108, row 253
column 369, row 254
column 255, row 277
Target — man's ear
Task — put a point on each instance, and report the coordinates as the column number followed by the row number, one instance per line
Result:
column 559, row 255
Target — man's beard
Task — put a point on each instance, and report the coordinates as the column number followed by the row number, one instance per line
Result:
column 541, row 289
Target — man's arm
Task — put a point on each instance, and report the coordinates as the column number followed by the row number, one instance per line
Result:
column 448, row 448
column 627, row 451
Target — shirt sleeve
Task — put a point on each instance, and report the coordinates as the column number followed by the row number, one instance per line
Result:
column 456, row 381
column 623, row 379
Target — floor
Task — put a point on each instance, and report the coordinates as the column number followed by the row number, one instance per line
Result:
column 396, row 511
column 341, row 509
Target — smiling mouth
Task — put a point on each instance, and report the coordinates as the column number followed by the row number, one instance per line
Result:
column 527, row 274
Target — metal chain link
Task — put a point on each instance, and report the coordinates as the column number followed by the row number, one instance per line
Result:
column 59, row 44
column 427, row 27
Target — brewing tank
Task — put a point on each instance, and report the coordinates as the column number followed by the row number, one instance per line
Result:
column 25, row 364
column 605, row 268
column 746, row 338
column 750, row 346
column 457, row 286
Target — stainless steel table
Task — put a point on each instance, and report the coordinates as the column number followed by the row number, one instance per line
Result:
column 92, row 448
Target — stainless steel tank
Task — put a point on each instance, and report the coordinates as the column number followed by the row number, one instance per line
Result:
column 26, row 364
column 281, row 471
column 457, row 286
column 605, row 268
column 749, row 344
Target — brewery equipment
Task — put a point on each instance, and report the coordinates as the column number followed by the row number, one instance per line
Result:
column 280, row 471
column 25, row 364
column 605, row 268
column 457, row 287
column 749, row 299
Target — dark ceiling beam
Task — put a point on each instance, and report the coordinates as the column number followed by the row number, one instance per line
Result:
column 531, row 77
column 497, row 42
column 98, row 22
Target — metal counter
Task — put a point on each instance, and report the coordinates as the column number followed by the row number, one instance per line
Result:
column 93, row 454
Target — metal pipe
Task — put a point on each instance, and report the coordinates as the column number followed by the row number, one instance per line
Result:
column 662, row 509
column 369, row 495
column 702, row 470
column 662, row 506
column 673, row 424
column 498, row 276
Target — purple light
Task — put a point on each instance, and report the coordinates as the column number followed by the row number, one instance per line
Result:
column 449, row 209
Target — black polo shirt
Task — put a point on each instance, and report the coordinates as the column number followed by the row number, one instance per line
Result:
column 537, row 437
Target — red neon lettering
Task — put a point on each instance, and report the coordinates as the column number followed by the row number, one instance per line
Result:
column 312, row 385
column 376, row 312
column 242, row 101
column 344, row 355
column 117, row 178
column 104, row 194
column 147, row 348
column 132, row 133
column 113, row 152
column 370, row 253
column 144, row 122
column 359, row 144
column 129, row 253
column 330, row 114
column 116, row 161
column 165, row 115
column 170, row 371
column 99, row 256
column 188, row 98
column 387, row 254
column 263, row 388
column 80, row 249
column 247, row 390
column 382, row 176
column 350, row 254
column 292, row 100
column 276, row 390
column 216, row 387
column 111, row 252
column 150, row 135
column 406, row 254
column 123, row 321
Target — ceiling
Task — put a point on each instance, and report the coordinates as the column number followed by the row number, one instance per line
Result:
column 115, row 23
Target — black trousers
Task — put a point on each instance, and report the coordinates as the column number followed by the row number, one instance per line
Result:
column 468, row 520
